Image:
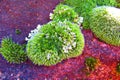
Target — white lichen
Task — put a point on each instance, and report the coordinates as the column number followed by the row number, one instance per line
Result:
column 48, row 56
column 80, row 20
column 69, row 45
column 51, row 15
column 74, row 44
column 33, row 32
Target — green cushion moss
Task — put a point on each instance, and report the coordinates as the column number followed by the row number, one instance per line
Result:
column 64, row 12
column 83, row 7
column 54, row 42
column 105, row 23
column 12, row 52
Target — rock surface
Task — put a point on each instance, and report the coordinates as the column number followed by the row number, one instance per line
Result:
column 26, row 15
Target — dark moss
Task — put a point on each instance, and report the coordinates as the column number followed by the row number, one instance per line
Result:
column 90, row 63
column 118, row 68
column 18, row 31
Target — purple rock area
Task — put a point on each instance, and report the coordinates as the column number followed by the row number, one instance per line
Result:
column 23, row 15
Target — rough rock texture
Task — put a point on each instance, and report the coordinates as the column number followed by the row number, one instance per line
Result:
column 25, row 15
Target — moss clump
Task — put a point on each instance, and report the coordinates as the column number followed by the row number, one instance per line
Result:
column 106, row 2
column 83, row 7
column 12, row 52
column 118, row 3
column 54, row 42
column 64, row 12
column 18, row 31
column 105, row 23
column 90, row 63
column 118, row 68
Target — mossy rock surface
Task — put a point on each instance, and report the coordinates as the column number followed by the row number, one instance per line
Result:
column 105, row 24
column 83, row 8
column 54, row 42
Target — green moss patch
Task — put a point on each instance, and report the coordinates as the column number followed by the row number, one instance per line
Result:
column 83, row 7
column 64, row 12
column 12, row 52
column 105, row 24
column 90, row 63
column 54, row 42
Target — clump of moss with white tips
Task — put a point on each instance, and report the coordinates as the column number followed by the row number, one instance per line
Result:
column 54, row 42
column 64, row 12
column 12, row 52
column 105, row 24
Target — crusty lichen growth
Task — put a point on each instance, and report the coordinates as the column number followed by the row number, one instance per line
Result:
column 12, row 52
column 54, row 42
column 105, row 24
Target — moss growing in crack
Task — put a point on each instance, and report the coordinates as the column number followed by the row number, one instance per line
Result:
column 54, row 42
column 90, row 63
column 12, row 52
column 105, row 24
column 64, row 12
column 18, row 31
column 118, row 68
